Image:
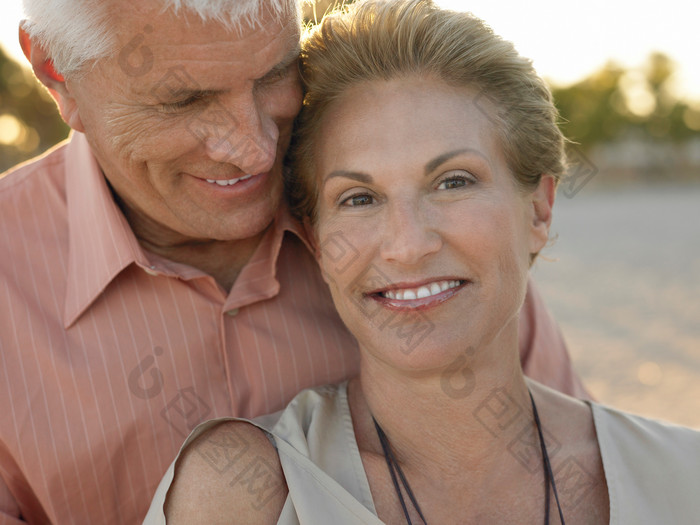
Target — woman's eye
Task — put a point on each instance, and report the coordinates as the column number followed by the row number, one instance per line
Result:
column 358, row 200
column 455, row 181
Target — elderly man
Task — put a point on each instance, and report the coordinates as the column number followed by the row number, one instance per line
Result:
column 151, row 275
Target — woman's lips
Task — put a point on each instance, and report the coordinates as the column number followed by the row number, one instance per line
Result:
column 421, row 296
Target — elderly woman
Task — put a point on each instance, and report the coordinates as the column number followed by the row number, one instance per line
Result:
column 428, row 157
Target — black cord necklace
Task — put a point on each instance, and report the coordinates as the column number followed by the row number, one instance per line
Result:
column 395, row 469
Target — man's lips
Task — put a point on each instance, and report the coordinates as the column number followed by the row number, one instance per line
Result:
column 234, row 186
column 418, row 295
column 228, row 182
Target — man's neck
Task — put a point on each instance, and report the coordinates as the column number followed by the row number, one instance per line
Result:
column 223, row 260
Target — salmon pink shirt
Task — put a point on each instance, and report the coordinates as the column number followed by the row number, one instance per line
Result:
column 110, row 355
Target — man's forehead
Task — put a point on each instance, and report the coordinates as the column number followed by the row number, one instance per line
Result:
column 158, row 30
column 182, row 79
column 179, row 14
column 200, row 53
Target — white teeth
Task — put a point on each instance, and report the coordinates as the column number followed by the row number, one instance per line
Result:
column 421, row 292
column 229, row 182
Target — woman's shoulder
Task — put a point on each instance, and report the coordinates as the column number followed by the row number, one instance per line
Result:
column 651, row 467
column 632, row 435
column 224, row 454
column 308, row 407
column 229, row 468
column 636, row 434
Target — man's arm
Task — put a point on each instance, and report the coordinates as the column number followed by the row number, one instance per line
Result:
column 543, row 351
column 210, row 487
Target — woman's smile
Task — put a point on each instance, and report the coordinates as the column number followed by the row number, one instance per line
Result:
column 422, row 296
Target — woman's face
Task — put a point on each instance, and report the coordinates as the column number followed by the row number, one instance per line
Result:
column 423, row 236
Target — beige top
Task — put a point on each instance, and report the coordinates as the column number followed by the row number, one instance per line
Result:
column 652, row 468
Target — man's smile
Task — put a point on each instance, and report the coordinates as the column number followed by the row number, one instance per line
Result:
column 228, row 182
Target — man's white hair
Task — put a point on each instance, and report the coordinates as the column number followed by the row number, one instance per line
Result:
column 77, row 32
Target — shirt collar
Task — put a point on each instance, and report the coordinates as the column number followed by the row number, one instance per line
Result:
column 102, row 244
column 258, row 278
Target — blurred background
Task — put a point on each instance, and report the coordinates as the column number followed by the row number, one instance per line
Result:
column 622, row 275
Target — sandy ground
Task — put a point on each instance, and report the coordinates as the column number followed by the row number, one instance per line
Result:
column 625, row 289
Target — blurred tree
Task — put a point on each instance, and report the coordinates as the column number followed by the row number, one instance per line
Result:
column 591, row 109
column 29, row 119
column 613, row 103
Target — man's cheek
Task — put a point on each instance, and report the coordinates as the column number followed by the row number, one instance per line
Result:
column 285, row 100
column 150, row 141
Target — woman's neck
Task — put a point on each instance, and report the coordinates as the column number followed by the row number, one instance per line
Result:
column 435, row 421
column 466, row 439
column 452, row 431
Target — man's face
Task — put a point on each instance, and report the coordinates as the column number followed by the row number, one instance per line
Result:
column 190, row 122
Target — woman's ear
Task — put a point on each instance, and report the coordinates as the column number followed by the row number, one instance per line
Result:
column 312, row 237
column 542, row 199
column 55, row 82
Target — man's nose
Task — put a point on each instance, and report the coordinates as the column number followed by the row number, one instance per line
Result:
column 243, row 136
column 408, row 234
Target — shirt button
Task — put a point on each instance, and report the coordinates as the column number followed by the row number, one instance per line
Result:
column 151, row 270
column 232, row 313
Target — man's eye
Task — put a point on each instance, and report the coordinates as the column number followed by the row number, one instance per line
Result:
column 277, row 74
column 181, row 104
column 358, row 200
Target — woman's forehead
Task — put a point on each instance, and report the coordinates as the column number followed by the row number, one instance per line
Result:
column 380, row 120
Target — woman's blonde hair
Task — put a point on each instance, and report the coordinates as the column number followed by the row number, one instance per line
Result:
column 388, row 39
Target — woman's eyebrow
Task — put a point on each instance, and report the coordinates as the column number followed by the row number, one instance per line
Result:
column 432, row 165
column 354, row 175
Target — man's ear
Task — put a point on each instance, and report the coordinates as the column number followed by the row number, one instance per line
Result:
column 542, row 199
column 55, row 82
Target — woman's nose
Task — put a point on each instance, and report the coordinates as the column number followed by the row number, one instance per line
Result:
column 409, row 234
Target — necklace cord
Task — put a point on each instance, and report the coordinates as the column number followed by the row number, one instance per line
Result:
column 394, row 467
column 548, row 474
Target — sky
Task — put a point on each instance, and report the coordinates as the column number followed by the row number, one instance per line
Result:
column 567, row 40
